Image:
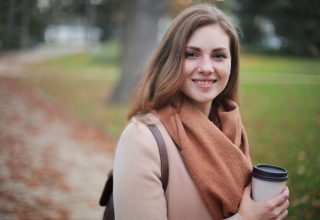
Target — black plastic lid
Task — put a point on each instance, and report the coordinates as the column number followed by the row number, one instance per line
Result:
column 269, row 172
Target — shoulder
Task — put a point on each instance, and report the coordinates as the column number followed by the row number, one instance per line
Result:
column 137, row 143
column 137, row 159
column 137, row 130
column 136, row 177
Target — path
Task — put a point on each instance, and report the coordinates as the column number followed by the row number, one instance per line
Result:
column 52, row 166
column 13, row 63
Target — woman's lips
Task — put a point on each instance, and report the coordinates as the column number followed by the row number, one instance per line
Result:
column 204, row 83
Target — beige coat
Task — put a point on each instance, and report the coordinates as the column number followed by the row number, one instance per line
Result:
column 138, row 192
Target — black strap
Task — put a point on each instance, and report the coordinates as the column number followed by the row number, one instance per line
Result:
column 107, row 197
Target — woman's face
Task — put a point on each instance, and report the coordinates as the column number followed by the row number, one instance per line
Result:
column 207, row 65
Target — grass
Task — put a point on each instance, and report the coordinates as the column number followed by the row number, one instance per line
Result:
column 282, row 120
column 277, row 64
column 283, row 124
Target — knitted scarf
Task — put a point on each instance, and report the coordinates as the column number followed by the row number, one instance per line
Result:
column 217, row 160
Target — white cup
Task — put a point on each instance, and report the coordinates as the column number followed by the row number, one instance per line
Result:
column 267, row 181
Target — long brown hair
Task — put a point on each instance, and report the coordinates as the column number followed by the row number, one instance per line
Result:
column 163, row 77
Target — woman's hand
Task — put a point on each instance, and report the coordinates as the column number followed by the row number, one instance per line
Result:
column 273, row 209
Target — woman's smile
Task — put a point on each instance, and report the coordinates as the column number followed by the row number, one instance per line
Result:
column 204, row 83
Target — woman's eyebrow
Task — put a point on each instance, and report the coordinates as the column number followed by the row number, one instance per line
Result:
column 219, row 49
column 193, row 48
column 214, row 50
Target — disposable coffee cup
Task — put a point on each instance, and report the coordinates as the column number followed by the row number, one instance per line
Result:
column 268, row 181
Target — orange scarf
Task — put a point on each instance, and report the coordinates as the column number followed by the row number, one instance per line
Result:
column 218, row 160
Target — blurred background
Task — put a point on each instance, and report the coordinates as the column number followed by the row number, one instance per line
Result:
column 67, row 69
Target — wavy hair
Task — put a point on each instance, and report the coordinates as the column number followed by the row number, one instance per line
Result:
column 163, row 77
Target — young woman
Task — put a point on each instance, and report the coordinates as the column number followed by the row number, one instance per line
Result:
column 190, row 92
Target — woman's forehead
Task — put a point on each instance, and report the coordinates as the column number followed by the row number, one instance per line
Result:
column 213, row 36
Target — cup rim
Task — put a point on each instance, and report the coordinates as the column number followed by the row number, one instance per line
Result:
column 259, row 171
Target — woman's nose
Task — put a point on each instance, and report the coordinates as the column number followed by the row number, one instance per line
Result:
column 206, row 66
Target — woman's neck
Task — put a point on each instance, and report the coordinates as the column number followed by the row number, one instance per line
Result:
column 204, row 108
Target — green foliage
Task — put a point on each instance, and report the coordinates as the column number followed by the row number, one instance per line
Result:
column 21, row 24
column 296, row 23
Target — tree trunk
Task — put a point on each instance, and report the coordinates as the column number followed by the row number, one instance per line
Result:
column 140, row 38
column 25, row 40
column 10, row 23
column 91, row 16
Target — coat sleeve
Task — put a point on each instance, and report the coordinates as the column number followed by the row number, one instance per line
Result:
column 137, row 191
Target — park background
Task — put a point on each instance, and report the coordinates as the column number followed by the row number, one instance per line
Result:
column 67, row 69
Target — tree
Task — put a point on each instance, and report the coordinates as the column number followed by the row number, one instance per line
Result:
column 21, row 24
column 295, row 23
column 26, row 13
column 9, row 21
column 139, row 39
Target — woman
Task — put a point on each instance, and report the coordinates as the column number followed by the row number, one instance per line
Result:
column 190, row 92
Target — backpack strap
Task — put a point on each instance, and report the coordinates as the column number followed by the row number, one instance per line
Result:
column 106, row 198
column 163, row 155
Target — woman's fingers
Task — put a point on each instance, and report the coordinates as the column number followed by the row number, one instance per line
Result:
column 283, row 215
column 280, row 209
column 280, row 199
column 277, row 207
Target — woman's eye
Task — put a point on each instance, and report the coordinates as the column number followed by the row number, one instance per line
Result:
column 190, row 54
column 220, row 56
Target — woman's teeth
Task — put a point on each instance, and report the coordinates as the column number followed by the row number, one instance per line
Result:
column 203, row 82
